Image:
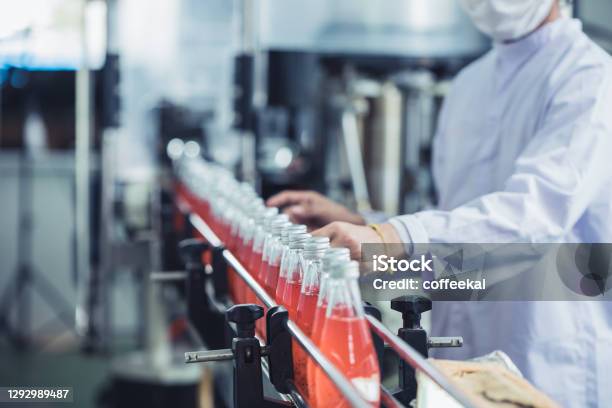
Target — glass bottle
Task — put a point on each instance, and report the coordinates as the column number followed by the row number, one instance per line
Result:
column 242, row 247
column 276, row 224
column 274, row 229
column 332, row 256
column 272, row 254
column 311, row 262
column 346, row 341
column 276, row 258
column 289, row 293
column 314, row 251
column 295, row 233
column 254, row 261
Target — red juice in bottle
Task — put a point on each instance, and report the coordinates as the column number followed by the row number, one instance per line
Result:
column 317, row 331
column 332, row 257
column 300, row 297
column 304, row 317
column 248, row 253
column 243, row 254
column 246, row 256
column 260, row 324
column 253, row 264
column 231, row 244
column 272, row 278
column 291, row 296
column 346, row 341
column 262, row 270
column 307, row 305
column 281, row 283
column 277, row 225
column 319, row 320
column 278, row 290
column 294, row 273
column 256, row 265
column 290, row 267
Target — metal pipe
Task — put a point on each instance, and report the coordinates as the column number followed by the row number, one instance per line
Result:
column 412, row 357
column 209, row 235
column 387, row 399
column 82, row 152
column 170, row 276
column 205, row 230
column 246, row 276
column 350, row 133
column 206, row 356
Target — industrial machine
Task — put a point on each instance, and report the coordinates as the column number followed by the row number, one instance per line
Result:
column 348, row 90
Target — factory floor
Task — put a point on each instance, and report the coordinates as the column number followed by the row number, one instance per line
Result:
column 85, row 374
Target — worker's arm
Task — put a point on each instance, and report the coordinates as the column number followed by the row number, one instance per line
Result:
column 556, row 178
column 560, row 174
column 313, row 209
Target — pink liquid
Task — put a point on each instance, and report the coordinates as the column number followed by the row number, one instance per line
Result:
column 347, row 343
column 317, row 330
column 272, row 278
column 260, row 325
column 231, row 274
column 319, row 320
column 307, row 305
column 291, row 297
column 254, row 264
column 245, row 253
column 241, row 287
column 231, row 242
column 280, row 289
column 262, row 272
column 305, row 315
column 251, row 297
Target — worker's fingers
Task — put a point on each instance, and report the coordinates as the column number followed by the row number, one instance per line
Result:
column 327, row 231
column 334, row 232
column 297, row 214
column 287, row 197
column 342, row 234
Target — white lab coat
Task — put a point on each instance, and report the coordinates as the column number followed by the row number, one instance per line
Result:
column 523, row 153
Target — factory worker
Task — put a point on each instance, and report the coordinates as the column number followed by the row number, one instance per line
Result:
column 523, row 153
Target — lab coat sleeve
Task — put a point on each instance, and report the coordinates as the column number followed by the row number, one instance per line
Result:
column 374, row 217
column 556, row 177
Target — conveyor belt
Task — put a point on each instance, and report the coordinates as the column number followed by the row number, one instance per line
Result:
column 404, row 351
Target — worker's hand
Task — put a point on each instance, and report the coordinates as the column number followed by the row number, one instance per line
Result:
column 313, row 209
column 343, row 234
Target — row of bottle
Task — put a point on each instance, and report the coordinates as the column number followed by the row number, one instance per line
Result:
column 317, row 284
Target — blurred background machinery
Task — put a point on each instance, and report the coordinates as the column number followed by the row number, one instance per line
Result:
column 339, row 96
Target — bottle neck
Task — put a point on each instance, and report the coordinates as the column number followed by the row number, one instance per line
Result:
column 344, row 299
column 323, row 288
column 294, row 270
column 311, row 281
column 313, row 254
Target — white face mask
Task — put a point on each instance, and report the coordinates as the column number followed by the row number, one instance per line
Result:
column 505, row 20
